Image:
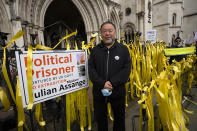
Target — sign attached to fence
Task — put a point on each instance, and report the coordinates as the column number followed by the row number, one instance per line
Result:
column 151, row 36
column 54, row 73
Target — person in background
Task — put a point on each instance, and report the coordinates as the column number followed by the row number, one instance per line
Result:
column 176, row 44
column 109, row 68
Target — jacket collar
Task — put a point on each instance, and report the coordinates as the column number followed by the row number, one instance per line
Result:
column 102, row 46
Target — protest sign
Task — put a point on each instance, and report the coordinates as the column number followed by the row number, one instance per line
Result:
column 54, row 73
column 151, row 36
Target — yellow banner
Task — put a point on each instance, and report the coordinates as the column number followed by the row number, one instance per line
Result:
column 180, row 51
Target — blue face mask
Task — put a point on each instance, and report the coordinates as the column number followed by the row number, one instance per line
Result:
column 106, row 92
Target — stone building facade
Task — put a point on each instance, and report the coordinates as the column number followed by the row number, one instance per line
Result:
column 167, row 18
column 136, row 17
column 173, row 17
column 190, row 20
column 49, row 19
column 52, row 19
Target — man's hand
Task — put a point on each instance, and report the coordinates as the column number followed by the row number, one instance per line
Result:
column 108, row 85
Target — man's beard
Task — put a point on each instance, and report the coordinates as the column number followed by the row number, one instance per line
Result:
column 108, row 42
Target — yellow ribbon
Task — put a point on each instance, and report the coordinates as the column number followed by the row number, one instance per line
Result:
column 68, row 111
column 76, row 47
column 126, row 97
column 4, row 70
column 19, row 34
column 190, row 79
column 4, row 100
column 89, row 113
column 109, row 111
column 189, row 112
column 193, row 102
column 43, row 47
column 21, row 115
column 39, row 116
column 29, row 77
column 67, row 36
column 29, row 72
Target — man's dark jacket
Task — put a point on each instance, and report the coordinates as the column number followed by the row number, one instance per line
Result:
column 112, row 65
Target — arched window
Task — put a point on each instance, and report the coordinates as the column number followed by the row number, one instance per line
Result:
column 174, row 19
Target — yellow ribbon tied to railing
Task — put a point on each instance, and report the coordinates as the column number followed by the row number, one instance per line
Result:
column 29, row 77
column 39, row 115
column 4, row 70
column 19, row 104
column 67, row 36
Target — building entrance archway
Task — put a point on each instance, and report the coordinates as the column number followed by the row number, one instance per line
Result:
column 129, row 30
column 62, row 16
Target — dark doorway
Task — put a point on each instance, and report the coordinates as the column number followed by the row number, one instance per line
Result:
column 60, row 16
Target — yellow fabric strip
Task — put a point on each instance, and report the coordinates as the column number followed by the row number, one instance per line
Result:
column 190, row 79
column 126, row 97
column 91, row 45
column 5, row 74
column 88, row 111
column 19, row 34
column 74, row 33
column 21, row 115
column 4, row 100
column 190, row 112
column 4, row 70
column 109, row 111
column 43, row 47
column 29, row 77
column 39, row 115
column 20, row 128
column 149, row 111
column 68, row 111
column 76, row 47
column 81, row 109
column 193, row 102
column 180, row 51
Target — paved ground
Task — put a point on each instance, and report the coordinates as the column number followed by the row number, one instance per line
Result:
column 192, row 107
column 131, row 111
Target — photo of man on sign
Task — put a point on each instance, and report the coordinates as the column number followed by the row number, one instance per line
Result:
column 81, row 63
column 80, row 58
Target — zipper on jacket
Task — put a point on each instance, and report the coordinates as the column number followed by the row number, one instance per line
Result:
column 107, row 63
column 106, row 98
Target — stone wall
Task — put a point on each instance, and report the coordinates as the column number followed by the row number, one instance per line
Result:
column 189, row 19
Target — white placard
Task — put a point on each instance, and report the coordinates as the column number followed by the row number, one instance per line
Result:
column 195, row 36
column 151, row 36
column 54, row 73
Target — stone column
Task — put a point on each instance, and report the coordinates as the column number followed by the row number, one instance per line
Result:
column 16, row 26
column 29, row 31
column 41, row 35
column 24, row 27
column 35, row 28
column 88, row 36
